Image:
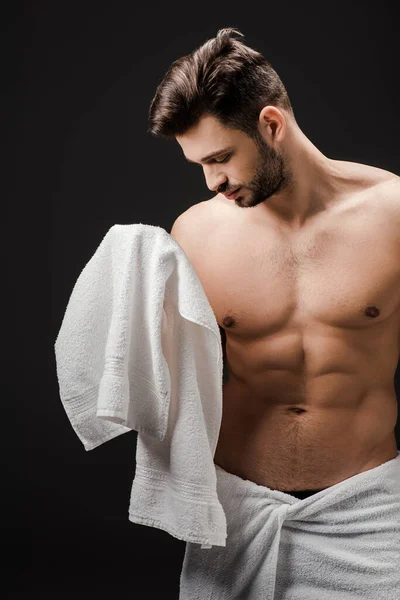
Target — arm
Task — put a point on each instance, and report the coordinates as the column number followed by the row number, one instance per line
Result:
column 182, row 232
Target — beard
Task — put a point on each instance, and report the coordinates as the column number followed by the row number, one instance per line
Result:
column 272, row 175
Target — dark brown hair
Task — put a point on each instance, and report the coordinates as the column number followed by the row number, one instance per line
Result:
column 224, row 78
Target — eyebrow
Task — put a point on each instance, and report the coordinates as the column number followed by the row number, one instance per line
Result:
column 209, row 157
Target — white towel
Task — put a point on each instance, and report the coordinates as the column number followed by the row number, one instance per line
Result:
column 139, row 348
column 342, row 543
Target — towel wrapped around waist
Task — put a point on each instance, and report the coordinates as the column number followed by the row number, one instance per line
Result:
column 342, row 543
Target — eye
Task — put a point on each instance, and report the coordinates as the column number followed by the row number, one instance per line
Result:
column 224, row 160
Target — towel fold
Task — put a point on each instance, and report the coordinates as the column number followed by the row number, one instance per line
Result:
column 342, row 543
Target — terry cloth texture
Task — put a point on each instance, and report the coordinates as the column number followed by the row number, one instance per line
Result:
column 342, row 543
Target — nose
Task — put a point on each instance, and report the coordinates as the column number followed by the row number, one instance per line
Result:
column 215, row 181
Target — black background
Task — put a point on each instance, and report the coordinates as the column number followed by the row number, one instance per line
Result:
column 78, row 80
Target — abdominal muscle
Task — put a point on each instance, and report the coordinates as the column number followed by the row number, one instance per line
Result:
column 304, row 433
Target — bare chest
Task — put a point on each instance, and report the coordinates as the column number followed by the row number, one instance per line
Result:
column 341, row 273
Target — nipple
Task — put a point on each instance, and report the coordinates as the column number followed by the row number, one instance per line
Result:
column 228, row 321
column 371, row 311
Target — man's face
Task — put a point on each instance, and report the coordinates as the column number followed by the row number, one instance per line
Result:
column 254, row 166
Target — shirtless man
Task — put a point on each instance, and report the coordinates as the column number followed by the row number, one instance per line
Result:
column 301, row 267
column 306, row 290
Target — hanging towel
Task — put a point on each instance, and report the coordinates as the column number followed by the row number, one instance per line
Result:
column 139, row 348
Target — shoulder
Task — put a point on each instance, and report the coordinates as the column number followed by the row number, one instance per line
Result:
column 388, row 193
column 387, row 202
column 192, row 224
column 392, row 184
column 380, row 188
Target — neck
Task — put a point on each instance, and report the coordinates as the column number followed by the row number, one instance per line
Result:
column 312, row 183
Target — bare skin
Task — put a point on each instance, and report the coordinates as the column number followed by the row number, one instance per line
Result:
column 311, row 316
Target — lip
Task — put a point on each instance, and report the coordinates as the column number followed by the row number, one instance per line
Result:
column 232, row 195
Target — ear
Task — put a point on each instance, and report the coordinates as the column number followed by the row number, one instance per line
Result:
column 272, row 124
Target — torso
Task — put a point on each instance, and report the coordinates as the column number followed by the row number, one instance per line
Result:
column 312, row 324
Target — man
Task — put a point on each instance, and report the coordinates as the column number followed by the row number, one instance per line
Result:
column 299, row 256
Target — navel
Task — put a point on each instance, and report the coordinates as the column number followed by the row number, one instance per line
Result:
column 372, row 311
column 297, row 410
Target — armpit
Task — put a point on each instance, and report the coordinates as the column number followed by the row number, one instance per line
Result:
column 225, row 364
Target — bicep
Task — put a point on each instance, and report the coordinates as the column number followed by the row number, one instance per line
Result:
column 182, row 232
